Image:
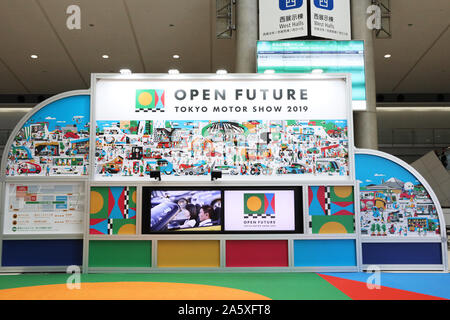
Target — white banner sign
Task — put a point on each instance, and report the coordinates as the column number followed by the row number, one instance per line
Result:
column 260, row 98
column 283, row 19
column 187, row 126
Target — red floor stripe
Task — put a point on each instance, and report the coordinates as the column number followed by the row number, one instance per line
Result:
column 357, row 290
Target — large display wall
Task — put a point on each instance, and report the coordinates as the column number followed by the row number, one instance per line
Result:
column 292, row 195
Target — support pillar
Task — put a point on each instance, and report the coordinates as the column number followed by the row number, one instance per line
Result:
column 246, row 35
column 365, row 122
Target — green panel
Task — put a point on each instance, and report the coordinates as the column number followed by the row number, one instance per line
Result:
column 120, row 253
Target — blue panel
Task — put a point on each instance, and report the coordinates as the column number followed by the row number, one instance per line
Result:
column 42, row 253
column 324, row 253
column 402, row 253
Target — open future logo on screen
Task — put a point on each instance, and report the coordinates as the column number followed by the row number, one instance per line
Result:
column 324, row 4
column 259, row 205
column 290, row 4
column 150, row 100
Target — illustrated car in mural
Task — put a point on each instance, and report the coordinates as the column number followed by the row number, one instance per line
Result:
column 258, row 168
column 64, row 170
column 161, row 165
column 71, row 135
column 294, row 168
column 326, row 165
column 200, row 168
column 226, row 169
column 29, row 167
column 114, row 166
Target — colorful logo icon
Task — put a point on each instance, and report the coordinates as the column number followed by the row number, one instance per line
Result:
column 290, row 4
column 259, row 204
column 324, row 4
column 150, row 100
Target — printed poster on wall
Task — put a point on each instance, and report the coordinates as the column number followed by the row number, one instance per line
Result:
column 44, row 209
column 283, row 19
column 186, row 127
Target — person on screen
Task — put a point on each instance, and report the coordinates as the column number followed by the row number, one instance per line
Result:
column 205, row 215
column 182, row 213
column 192, row 221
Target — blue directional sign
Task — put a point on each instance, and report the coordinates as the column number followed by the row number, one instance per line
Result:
column 290, row 4
column 324, row 4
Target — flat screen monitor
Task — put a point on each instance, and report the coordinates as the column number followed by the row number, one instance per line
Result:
column 261, row 210
column 181, row 210
column 317, row 56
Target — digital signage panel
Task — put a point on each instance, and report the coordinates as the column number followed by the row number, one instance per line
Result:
column 313, row 56
column 170, row 210
column 260, row 210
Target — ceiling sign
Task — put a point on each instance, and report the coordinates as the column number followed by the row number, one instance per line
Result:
column 288, row 19
column 283, row 19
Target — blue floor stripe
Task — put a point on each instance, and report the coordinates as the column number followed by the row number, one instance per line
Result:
column 434, row 284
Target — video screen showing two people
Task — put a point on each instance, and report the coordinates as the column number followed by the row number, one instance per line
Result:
column 181, row 210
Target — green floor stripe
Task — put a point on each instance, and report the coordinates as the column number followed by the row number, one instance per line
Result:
column 277, row 286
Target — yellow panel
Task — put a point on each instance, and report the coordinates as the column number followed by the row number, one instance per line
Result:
column 188, row 253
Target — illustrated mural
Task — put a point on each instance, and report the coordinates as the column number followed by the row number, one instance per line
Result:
column 113, row 210
column 393, row 202
column 133, row 148
column 54, row 141
column 331, row 209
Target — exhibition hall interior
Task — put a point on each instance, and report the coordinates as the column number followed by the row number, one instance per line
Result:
column 224, row 150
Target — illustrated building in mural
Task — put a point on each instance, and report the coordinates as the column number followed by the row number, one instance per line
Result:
column 52, row 142
column 393, row 202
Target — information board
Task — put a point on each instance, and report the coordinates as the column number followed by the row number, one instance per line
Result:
column 311, row 56
column 41, row 208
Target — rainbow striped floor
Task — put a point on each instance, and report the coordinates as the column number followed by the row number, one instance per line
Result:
column 227, row 286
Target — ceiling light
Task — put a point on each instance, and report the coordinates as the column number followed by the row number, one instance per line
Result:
column 269, row 71
column 175, row 56
column 105, row 56
column 387, row 56
column 33, row 56
column 221, row 71
column 125, row 71
column 174, row 71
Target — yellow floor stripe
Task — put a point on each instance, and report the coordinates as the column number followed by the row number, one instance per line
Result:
column 129, row 291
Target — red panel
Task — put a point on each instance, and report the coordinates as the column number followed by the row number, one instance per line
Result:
column 257, row 253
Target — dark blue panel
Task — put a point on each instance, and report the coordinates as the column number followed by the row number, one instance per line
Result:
column 42, row 253
column 402, row 253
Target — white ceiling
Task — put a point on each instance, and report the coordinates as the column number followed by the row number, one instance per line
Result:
column 137, row 34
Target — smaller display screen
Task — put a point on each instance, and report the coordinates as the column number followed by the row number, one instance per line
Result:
column 259, row 210
column 182, row 210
